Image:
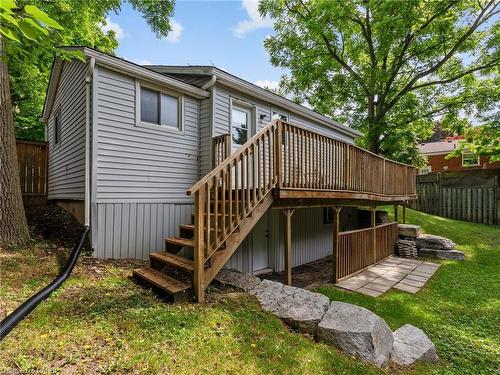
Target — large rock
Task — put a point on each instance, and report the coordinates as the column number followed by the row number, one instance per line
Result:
column 357, row 331
column 408, row 230
column 441, row 254
column 237, row 279
column 429, row 241
column 299, row 308
column 412, row 345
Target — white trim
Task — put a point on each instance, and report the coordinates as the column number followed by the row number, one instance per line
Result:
column 252, row 109
column 180, row 108
column 478, row 158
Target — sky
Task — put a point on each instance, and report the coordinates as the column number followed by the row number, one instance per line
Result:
column 228, row 34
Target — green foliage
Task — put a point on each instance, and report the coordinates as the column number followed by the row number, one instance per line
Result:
column 81, row 21
column 388, row 68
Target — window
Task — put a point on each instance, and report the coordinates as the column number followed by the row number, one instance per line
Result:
column 159, row 109
column 469, row 159
column 57, row 129
column 240, row 121
column 425, row 170
column 279, row 116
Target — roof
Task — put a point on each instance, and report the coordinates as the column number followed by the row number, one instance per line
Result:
column 203, row 72
column 192, row 80
column 439, row 148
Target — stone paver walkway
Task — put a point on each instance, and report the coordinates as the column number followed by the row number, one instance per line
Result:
column 409, row 275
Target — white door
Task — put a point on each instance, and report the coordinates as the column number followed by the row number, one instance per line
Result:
column 260, row 244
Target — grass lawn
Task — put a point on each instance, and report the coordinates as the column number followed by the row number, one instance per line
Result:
column 101, row 321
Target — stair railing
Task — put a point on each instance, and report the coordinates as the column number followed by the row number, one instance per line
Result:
column 228, row 194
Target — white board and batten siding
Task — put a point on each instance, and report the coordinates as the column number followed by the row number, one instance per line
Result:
column 141, row 174
column 66, row 174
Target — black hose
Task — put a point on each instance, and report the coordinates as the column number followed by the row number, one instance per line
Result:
column 30, row 304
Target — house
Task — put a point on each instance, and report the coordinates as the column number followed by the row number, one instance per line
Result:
column 436, row 152
column 199, row 170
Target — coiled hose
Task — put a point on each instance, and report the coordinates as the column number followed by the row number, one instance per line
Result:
column 30, row 304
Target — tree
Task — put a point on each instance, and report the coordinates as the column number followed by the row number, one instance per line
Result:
column 31, row 24
column 81, row 22
column 388, row 68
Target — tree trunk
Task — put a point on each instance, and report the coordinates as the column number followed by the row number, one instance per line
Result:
column 13, row 226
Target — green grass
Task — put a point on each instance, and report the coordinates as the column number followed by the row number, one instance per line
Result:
column 101, row 321
column 459, row 308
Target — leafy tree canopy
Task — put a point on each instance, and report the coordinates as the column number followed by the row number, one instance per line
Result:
column 80, row 24
column 390, row 68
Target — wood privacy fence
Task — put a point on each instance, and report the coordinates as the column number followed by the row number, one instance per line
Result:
column 361, row 248
column 466, row 195
column 33, row 166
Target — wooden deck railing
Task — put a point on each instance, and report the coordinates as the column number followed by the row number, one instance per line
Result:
column 361, row 248
column 315, row 161
column 221, row 147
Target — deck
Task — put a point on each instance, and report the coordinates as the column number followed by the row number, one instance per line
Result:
column 284, row 167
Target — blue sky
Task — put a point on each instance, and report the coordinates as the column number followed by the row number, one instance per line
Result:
column 227, row 34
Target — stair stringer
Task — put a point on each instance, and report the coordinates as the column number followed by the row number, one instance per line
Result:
column 221, row 257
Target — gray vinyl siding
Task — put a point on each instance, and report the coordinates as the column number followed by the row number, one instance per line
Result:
column 205, row 136
column 66, row 174
column 142, row 174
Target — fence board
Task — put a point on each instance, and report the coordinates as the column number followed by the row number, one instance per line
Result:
column 469, row 196
column 32, row 162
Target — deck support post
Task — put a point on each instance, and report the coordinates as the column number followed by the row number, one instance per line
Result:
column 288, row 245
column 396, row 213
column 404, row 213
column 373, row 224
column 199, row 245
column 336, row 230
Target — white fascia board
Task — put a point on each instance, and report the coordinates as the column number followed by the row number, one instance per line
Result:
column 50, row 95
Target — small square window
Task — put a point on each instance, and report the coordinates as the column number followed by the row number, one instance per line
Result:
column 159, row 108
column 57, row 128
column 469, row 159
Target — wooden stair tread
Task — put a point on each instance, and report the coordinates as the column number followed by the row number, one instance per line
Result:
column 159, row 279
column 180, row 241
column 187, row 226
column 173, row 259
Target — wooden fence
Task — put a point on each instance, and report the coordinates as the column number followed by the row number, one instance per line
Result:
column 33, row 166
column 361, row 248
column 466, row 195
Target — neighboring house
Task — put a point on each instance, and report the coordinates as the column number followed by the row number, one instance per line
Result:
column 127, row 142
column 436, row 152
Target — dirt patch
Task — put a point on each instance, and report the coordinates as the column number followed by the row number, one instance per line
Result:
column 55, row 225
column 309, row 275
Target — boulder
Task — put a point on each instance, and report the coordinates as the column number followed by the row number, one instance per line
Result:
column 237, row 279
column 429, row 241
column 412, row 345
column 441, row 254
column 408, row 230
column 357, row 331
column 299, row 308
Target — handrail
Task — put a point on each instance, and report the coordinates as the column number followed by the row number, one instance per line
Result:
column 230, row 159
column 347, row 232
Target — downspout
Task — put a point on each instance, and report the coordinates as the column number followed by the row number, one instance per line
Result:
column 88, row 114
column 210, row 83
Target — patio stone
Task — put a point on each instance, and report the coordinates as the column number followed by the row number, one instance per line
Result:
column 412, row 345
column 369, row 292
column 406, row 288
column 417, row 277
column 357, row 331
column 299, row 308
column 383, row 281
column 377, row 287
column 415, row 283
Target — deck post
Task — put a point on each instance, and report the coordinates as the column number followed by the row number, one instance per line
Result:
column 199, row 245
column 396, row 213
column 277, row 156
column 336, row 230
column 404, row 213
column 288, row 245
column 373, row 224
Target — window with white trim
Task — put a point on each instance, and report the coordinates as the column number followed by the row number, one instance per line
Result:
column 469, row 159
column 159, row 108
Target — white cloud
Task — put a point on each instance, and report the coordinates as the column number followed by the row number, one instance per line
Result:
column 174, row 36
column 266, row 83
column 254, row 22
column 109, row 25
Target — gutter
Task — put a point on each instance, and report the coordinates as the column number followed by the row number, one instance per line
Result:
column 88, row 112
column 210, row 83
